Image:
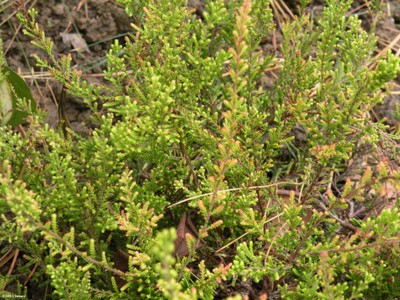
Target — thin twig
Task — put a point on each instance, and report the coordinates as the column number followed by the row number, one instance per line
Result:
column 246, row 233
column 283, row 192
column 343, row 223
column 367, row 246
column 83, row 255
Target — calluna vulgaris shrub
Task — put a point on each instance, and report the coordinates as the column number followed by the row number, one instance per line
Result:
column 194, row 183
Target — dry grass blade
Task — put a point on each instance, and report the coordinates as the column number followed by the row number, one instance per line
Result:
column 391, row 45
column 281, row 12
column 236, row 189
column 19, row 27
column 6, row 257
column 31, row 274
column 356, row 11
column 33, row 75
column 14, row 256
column 3, row 6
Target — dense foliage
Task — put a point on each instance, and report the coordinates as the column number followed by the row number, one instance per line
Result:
column 186, row 129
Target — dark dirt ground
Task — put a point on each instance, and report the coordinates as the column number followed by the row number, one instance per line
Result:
column 101, row 21
column 98, row 22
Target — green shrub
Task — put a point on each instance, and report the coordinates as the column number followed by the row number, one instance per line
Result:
column 184, row 125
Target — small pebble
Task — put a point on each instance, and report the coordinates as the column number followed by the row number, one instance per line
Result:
column 59, row 9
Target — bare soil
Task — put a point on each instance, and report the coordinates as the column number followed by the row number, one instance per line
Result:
column 83, row 29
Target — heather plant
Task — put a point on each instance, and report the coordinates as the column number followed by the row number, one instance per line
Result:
column 184, row 127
